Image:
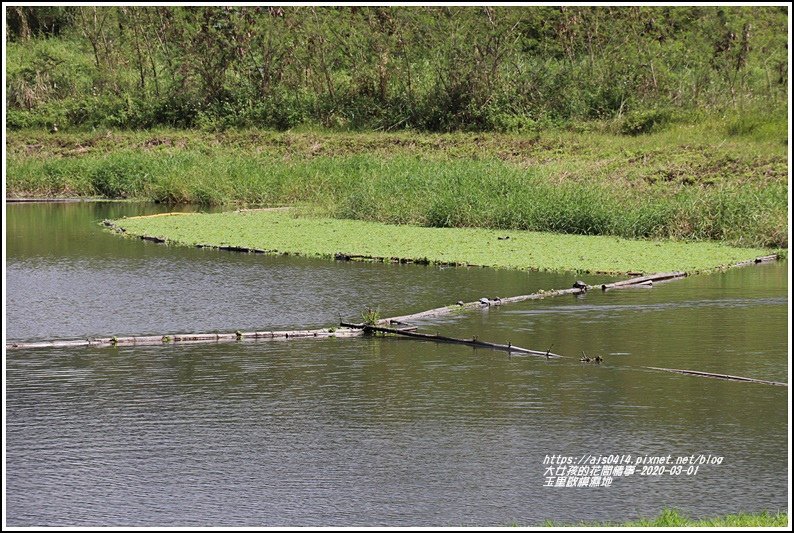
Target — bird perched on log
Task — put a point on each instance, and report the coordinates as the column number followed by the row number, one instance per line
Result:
column 579, row 284
column 485, row 301
column 460, row 302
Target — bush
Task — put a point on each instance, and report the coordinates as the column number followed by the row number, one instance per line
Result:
column 17, row 119
column 515, row 123
column 119, row 177
column 434, row 69
column 639, row 122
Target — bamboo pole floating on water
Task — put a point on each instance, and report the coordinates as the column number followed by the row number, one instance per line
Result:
column 757, row 260
column 641, row 281
column 189, row 338
column 327, row 332
column 441, row 338
column 438, row 311
column 717, row 376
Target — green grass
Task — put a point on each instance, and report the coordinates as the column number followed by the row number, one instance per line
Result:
column 280, row 232
column 672, row 518
column 690, row 181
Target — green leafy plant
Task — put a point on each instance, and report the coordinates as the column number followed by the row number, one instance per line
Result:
column 370, row 316
column 641, row 122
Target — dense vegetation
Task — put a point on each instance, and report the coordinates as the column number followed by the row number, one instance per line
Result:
column 283, row 232
column 428, row 68
column 639, row 122
column 688, row 182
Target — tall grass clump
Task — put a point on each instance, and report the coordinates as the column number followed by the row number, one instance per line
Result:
column 639, row 122
column 730, row 197
column 494, row 195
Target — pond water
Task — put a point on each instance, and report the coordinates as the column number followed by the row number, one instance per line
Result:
column 370, row 431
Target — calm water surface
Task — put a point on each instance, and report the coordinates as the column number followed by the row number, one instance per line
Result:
column 369, row 431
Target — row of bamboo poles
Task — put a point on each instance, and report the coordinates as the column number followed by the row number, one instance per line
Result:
column 341, row 331
column 346, row 329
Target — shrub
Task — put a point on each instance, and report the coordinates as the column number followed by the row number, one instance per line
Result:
column 639, row 122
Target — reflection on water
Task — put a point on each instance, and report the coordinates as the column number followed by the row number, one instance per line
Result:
column 370, row 431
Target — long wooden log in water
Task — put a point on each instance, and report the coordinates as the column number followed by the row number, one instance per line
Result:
column 635, row 282
column 653, row 278
column 641, row 285
column 643, row 281
column 474, row 342
column 191, row 338
column 53, row 200
column 49, row 344
column 447, row 309
column 757, row 260
column 718, row 376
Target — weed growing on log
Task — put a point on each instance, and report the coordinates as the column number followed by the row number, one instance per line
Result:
column 370, row 316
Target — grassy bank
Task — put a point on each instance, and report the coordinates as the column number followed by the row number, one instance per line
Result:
column 283, row 232
column 672, row 518
column 720, row 179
